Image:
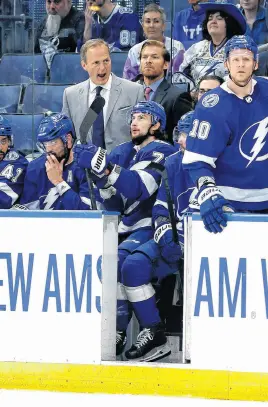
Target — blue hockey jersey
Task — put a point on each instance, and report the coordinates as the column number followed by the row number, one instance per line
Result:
column 12, row 173
column 229, row 141
column 40, row 193
column 182, row 189
column 188, row 26
column 121, row 30
column 133, row 183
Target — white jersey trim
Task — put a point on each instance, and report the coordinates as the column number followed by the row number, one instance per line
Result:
column 190, row 157
column 122, row 228
column 244, row 195
column 149, row 182
column 8, row 191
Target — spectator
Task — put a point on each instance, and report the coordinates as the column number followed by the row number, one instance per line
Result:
column 60, row 29
column 262, row 64
column 53, row 180
column 116, row 25
column 153, row 23
column 119, row 94
column 223, row 21
column 154, row 62
column 12, row 167
column 255, row 16
column 188, row 24
column 207, row 83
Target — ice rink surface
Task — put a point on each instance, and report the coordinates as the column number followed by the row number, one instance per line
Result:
column 34, row 398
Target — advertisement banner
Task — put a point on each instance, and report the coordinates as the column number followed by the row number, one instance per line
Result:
column 227, row 305
column 50, row 287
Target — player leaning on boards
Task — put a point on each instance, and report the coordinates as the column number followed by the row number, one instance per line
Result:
column 54, row 180
column 227, row 151
column 128, row 181
column 12, row 167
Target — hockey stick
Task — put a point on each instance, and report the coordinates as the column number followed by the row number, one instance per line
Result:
column 90, row 117
column 162, row 170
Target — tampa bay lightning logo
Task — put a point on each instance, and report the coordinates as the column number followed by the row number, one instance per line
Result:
column 210, row 100
column 253, row 144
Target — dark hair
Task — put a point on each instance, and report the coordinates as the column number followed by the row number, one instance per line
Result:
column 211, row 77
column 154, row 43
column 232, row 26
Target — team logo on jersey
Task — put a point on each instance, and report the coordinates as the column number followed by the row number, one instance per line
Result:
column 210, row 100
column 253, row 144
column 11, row 156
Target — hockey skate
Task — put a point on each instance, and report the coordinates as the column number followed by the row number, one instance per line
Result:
column 151, row 345
column 121, row 340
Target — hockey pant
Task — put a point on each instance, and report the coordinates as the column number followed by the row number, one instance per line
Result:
column 138, row 270
column 128, row 245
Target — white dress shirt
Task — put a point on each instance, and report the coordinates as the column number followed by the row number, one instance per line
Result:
column 105, row 93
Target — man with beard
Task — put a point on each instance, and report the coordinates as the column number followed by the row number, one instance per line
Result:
column 12, row 167
column 128, row 180
column 60, row 29
column 54, row 181
column 116, row 25
column 154, row 62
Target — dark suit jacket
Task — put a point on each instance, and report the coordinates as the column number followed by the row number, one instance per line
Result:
column 175, row 103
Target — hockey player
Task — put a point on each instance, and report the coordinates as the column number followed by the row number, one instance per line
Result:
column 54, row 180
column 227, row 149
column 12, row 167
column 156, row 258
column 130, row 184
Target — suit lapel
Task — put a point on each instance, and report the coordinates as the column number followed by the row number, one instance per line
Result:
column 114, row 95
column 161, row 91
column 83, row 92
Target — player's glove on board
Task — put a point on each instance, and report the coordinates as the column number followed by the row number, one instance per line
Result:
column 170, row 251
column 213, row 206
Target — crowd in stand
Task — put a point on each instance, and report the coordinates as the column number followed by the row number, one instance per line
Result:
column 135, row 146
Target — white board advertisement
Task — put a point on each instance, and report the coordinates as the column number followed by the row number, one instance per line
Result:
column 50, row 287
column 227, row 303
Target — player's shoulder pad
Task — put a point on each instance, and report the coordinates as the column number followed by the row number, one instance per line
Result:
column 125, row 10
column 213, row 100
column 38, row 162
column 12, row 155
column 174, row 160
column 161, row 146
column 15, row 157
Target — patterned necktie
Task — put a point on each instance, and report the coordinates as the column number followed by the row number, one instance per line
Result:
column 98, row 126
column 147, row 92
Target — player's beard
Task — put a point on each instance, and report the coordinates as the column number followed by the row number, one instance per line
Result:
column 65, row 156
column 53, row 24
column 137, row 141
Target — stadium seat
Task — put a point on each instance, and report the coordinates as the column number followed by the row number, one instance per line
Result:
column 24, row 127
column 39, row 98
column 183, row 87
column 66, row 68
column 10, row 96
column 22, row 68
column 118, row 62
